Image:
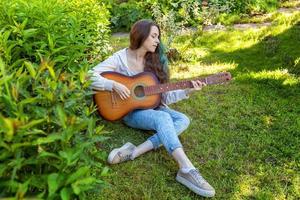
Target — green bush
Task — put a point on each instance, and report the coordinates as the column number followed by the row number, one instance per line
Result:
column 48, row 132
column 188, row 12
column 123, row 15
column 63, row 30
column 247, row 6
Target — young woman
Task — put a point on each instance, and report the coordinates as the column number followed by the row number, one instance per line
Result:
column 145, row 53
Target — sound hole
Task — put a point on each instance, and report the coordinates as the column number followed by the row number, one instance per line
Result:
column 139, row 91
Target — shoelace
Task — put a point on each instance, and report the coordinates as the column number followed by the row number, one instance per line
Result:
column 196, row 174
column 124, row 157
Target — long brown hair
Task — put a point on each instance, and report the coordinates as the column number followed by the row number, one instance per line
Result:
column 155, row 62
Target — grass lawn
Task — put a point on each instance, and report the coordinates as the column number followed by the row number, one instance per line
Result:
column 244, row 137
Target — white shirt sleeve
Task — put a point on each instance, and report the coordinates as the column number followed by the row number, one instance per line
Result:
column 98, row 81
column 173, row 96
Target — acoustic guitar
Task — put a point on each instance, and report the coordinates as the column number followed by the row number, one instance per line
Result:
column 145, row 92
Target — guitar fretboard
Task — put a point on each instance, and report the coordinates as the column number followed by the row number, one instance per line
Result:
column 156, row 89
column 161, row 88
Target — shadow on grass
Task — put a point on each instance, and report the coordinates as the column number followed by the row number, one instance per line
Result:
column 280, row 52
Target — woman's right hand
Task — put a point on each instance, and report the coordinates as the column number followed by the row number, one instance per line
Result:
column 122, row 90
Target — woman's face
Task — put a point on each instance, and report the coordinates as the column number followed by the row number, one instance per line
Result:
column 152, row 41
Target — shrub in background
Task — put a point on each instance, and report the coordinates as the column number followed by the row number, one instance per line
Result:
column 229, row 11
column 124, row 14
column 190, row 12
column 48, row 132
column 169, row 28
column 245, row 6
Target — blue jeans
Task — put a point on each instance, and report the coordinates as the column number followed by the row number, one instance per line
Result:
column 167, row 123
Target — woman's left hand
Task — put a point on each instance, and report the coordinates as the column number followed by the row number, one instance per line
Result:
column 197, row 86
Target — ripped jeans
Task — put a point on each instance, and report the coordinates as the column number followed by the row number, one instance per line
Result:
column 167, row 123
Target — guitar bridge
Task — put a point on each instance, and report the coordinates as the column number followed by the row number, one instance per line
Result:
column 114, row 100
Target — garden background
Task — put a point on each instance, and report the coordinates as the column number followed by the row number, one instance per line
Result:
column 244, row 137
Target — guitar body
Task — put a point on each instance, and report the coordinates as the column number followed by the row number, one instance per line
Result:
column 111, row 107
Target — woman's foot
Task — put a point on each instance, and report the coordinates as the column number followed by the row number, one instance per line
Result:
column 195, row 182
column 121, row 154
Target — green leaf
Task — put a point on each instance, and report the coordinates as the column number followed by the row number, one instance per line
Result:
column 8, row 126
column 76, row 189
column 3, row 73
column 99, row 129
column 29, row 100
column 30, row 32
column 51, row 71
column 6, row 79
column 82, row 76
column 55, row 181
column 32, row 123
column 22, row 26
column 52, row 183
column 2, row 67
column 65, row 193
column 60, row 58
column 35, row 132
column 9, row 103
column 61, row 116
column 22, row 189
column 78, row 174
column 12, row 184
column 4, row 145
column 30, row 68
column 51, row 138
column 48, row 95
column 58, row 49
column 48, row 154
column 3, row 168
column 105, row 171
column 5, row 155
column 50, row 41
column 6, row 35
column 98, row 138
column 9, row 49
column 20, row 71
column 71, row 155
column 83, row 184
column 31, row 161
column 91, row 126
column 18, row 145
column 39, row 181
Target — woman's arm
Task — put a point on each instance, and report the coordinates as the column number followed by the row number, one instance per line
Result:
column 173, row 96
column 98, row 81
column 177, row 95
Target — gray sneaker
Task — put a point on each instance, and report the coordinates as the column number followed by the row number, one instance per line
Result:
column 121, row 154
column 195, row 182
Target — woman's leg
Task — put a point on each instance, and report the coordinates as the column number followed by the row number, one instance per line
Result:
column 169, row 124
column 156, row 120
column 181, row 123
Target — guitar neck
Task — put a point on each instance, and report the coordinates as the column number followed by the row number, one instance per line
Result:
column 161, row 88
